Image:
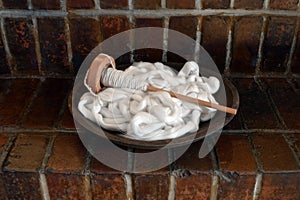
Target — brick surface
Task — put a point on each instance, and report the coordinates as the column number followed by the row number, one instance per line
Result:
column 68, row 154
column 3, row 192
column 119, row 4
column 245, row 44
column 144, row 4
column 235, row 123
column 185, row 25
column 85, row 35
column 280, row 186
column 216, row 4
column 257, row 113
column 13, row 104
column 214, row 37
column 4, row 68
column 282, row 92
column 108, row 187
column 273, row 153
column 79, row 4
column 21, row 185
column 193, row 187
column 191, row 161
column 278, row 43
column 46, row 5
column 21, row 44
column 178, row 4
column 295, row 66
column 99, row 168
column 27, row 154
column 67, row 120
column 53, row 45
column 3, row 141
column 235, row 154
column 46, row 106
column 239, row 188
column 284, row 5
column 245, row 4
column 151, row 187
column 15, row 4
column 66, row 186
column 113, row 25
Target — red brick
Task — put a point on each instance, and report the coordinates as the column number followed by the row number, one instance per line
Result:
column 119, row 4
column 66, row 186
column 151, row 187
column 68, row 154
column 85, row 36
column 53, row 45
column 13, row 104
column 296, row 145
column 113, row 25
column 286, row 100
column 215, row 34
column 27, row 154
column 190, row 159
column 295, row 66
column 67, row 120
column 22, row 185
column 274, row 153
column 15, row 4
column 144, row 4
column 235, row 123
column 194, row 187
column 284, row 5
column 245, row 44
column 178, row 4
column 46, row 5
column 3, row 140
column 148, row 22
column 245, row 4
column 79, row 4
column 240, row 188
column 235, row 154
column 257, row 113
column 278, row 43
column 280, row 186
column 216, row 3
column 99, row 168
column 4, row 69
column 3, row 192
column 108, row 187
column 185, row 25
column 21, row 44
column 46, row 106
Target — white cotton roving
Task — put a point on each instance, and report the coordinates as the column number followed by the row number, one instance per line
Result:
column 153, row 116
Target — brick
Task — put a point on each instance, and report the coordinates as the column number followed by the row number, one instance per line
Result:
column 240, row 188
column 215, row 34
column 280, row 186
column 257, row 113
column 151, row 187
column 53, row 45
column 68, row 154
column 67, row 120
column 15, row 4
column 245, row 4
column 286, row 5
column 245, row 44
column 46, row 106
column 108, row 187
column 3, row 192
column 235, row 154
column 295, row 65
column 282, row 92
column 296, row 145
column 27, row 154
column 118, row 4
column 185, row 25
column 148, row 22
column 111, row 25
column 235, row 123
column 194, row 187
column 13, row 104
column 21, row 44
column 4, row 68
column 46, row 5
column 66, row 186
column 216, row 4
column 274, row 153
column 99, row 168
column 21, row 185
column 3, row 141
column 190, row 160
column 85, row 36
column 144, row 4
column 178, row 4
column 79, row 4
column 278, row 43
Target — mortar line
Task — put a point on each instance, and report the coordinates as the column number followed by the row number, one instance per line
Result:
column 229, row 46
column 172, row 187
column 257, row 186
column 128, row 186
column 37, row 46
column 266, row 4
column 47, row 154
column 6, row 149
column 133, row 25
column 63, row 5
column 88, row 187
column 289, row 139
column 9, row 56
column 29, row 4
column 44, row 186
column 261, row 45
column 198, row 4
column 165, row 39
column 1, row 4
column 214, row 187
column 198, row 39
column 97, row 4
column 254, row 152
column 69, row 45
column 163, row 3
column 232, row 4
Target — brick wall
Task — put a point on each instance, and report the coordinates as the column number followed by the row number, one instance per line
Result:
column 51, row 38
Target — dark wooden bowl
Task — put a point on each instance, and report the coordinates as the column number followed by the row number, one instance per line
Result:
column 205, row 128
